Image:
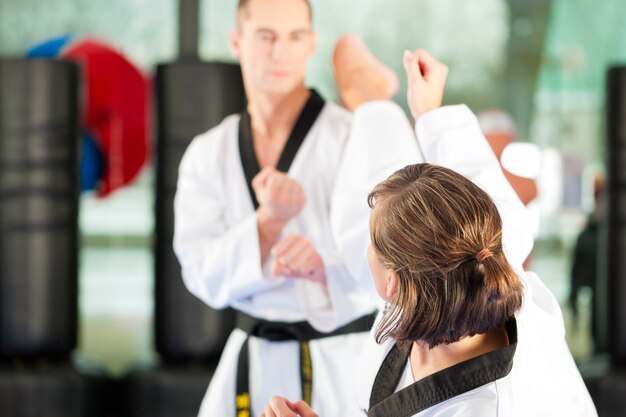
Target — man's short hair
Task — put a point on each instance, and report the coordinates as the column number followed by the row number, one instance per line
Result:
column 243, row 4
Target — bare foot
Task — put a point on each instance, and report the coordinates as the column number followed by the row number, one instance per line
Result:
column 360, row 76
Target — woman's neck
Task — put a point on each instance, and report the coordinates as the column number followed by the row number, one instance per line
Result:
column 425, row 361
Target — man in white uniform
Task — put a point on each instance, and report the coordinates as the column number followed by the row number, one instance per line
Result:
column 261, row 224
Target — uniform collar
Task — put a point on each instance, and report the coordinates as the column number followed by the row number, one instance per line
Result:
column 307, row 117
column 440, row 386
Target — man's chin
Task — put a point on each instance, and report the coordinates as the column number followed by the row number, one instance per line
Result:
column 280, row 88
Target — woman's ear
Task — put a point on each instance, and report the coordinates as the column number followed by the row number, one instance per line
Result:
column 392, row 284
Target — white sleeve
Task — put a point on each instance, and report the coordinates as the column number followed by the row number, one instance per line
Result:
column 450, row 136
column 220, row 262
column 381, row 141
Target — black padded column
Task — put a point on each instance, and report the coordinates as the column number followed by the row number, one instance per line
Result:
column 38, row 208
column 52, row 390
column 615, row 285
column 166, row 391
column 192, row 97
column 188, row 28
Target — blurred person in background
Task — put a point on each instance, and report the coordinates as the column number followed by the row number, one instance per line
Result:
column 585, row 258
column 500, row 131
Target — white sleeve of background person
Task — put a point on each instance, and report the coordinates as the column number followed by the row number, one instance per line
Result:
column 381, row 141
column 450, row 136
column 220, row 262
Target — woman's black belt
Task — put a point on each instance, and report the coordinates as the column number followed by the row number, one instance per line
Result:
column 300, row 331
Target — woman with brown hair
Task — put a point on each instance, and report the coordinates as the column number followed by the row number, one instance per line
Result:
column 466, row 332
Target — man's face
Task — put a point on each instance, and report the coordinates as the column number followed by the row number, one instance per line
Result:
column 274, row 42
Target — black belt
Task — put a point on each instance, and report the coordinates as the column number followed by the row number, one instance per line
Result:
column 300, row 331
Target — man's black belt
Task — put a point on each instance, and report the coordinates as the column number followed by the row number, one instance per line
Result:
column 300, row 331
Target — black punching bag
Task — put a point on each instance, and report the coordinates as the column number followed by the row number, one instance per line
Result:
column 615, row 276
column 192, row 97
column 38, row 208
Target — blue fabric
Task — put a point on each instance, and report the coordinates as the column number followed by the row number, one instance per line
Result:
column 91, row 160
column 91, row 163
column 49, row 48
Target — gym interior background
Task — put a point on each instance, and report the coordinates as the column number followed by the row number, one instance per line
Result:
column 546, row 62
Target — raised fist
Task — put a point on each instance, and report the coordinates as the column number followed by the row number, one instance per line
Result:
column 426, row 79
column 282, row 407
column 280, row 197
column 296, row 257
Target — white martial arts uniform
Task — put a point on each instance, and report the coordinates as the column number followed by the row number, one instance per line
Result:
column 544, row 380
column 216, row 241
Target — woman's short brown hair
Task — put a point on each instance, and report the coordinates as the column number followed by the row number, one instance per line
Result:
column 428, row 224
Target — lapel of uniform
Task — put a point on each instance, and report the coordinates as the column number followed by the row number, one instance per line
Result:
column 305, row 121
column 438, row 387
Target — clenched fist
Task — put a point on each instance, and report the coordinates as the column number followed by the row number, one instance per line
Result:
column 296, row 257
column 280, row 197
column 282, row 407
column 426, row 79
